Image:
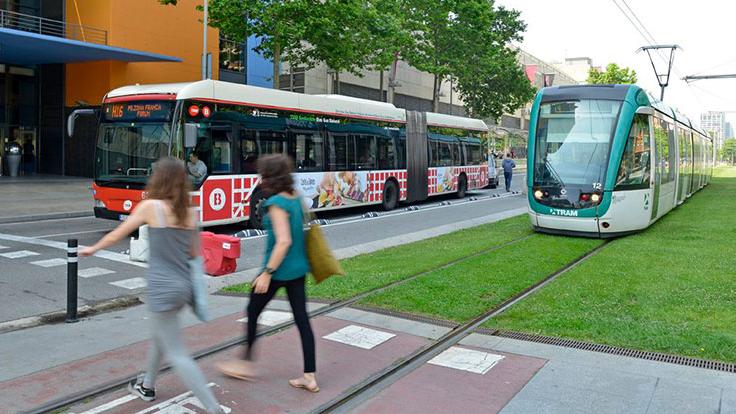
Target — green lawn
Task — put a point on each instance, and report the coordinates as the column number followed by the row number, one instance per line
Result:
column 670, row 289
column 465, row 290
column 376, row 269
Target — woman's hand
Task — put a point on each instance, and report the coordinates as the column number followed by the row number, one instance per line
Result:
column 88, row 251
column 261, row 283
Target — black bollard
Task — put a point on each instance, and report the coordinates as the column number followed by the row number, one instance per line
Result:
column 71, row 281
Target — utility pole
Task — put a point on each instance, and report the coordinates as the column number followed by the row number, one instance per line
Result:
column 663, row 78
column 205, row 55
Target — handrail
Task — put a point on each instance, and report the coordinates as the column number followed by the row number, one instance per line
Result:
column 49, row 27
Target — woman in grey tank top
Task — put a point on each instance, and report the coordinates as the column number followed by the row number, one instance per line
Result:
column 173, row 240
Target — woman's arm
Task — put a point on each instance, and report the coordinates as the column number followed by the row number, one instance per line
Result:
column 282, row 231
column 139, row 217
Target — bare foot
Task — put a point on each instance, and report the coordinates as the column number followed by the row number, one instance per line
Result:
column 307, row 382
column 238, row 368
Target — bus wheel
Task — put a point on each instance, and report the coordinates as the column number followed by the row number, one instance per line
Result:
column 462, row 186
column 257, row 211
column 390, row 195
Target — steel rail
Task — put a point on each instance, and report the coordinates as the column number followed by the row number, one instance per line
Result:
column 77, row 397
column 372, row 386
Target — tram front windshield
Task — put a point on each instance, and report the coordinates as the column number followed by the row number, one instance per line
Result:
column 573, row 140
column 131, row 137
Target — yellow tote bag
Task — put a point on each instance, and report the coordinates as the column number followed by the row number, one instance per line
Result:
column 322, row 262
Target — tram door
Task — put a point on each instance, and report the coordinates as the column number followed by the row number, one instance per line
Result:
column 665, row 153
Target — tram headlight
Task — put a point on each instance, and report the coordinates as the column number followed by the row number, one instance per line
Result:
column 538, row 194
column 595, row 198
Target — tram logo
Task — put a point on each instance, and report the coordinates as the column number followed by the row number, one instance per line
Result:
column 560, row 212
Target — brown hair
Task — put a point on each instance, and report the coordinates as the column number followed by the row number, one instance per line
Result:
column 275, row 171
column 170, row 183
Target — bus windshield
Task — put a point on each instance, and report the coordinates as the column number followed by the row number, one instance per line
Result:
column 573, row 139
column 130, row 140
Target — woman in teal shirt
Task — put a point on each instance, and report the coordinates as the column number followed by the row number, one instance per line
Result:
column 285, row 265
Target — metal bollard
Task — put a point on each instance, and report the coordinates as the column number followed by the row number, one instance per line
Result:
column 71, row 281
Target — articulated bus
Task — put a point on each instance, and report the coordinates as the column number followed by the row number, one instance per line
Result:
column 610, row 160
column 347, row 151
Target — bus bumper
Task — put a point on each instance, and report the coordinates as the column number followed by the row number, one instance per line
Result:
column 565, row 225
column 103, row 213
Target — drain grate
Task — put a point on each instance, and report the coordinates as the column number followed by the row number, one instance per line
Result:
column 614, row 350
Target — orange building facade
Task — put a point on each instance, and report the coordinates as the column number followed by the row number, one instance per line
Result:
column 139, row 25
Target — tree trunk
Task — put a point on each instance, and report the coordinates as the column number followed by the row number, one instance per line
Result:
column 337, row 81
column 380, row 86
column 276, row 66
column 436, row 95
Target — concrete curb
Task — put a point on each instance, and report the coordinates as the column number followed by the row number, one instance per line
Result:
column 60, row 315
column 41, row 217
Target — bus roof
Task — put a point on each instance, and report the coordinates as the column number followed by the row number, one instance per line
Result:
column 453, row 121
column 226, row 92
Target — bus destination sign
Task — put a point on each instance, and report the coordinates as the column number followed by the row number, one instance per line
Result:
column 138, row 111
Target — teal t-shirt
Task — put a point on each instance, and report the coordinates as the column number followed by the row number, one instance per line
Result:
column 295, row 264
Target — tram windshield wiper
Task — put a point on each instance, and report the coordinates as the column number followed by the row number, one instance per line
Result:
column 553, row 173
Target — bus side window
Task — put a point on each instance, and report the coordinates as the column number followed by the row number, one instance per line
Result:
column 248, row 151
column 221, row 155
column 386, row 153
column 340, row 152
column 365, row 149
column 272, row 142
column 309, row 150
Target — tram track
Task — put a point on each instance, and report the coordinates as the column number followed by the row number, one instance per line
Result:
column 372, row 386
column 75, row 398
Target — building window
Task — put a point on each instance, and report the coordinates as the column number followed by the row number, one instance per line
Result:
column 231, row 56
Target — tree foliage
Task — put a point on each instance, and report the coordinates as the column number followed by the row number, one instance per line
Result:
column 612, row 75
column 728, row 151
column 467, row 41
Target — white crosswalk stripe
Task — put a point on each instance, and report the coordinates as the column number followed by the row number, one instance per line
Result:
column 19, row 254
column 94, row 271
column 4, row 247
column 134, row 283
column 359, row 336
column 49, row 262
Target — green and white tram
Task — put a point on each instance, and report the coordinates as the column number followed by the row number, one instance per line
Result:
column 608, row 160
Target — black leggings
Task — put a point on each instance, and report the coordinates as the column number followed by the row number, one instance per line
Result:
column 295, row 290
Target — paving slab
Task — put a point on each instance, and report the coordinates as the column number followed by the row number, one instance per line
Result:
column 339, row 366
column 442, row 389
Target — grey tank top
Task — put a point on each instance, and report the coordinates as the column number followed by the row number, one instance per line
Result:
column 169, row 279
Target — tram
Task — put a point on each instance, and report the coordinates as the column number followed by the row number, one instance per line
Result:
column 609, row 160
column 347, row 151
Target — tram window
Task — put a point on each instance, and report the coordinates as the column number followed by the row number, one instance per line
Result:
column 365, row 149
column 309, row 151
column 635, row 168
column 386, row 153
column 662, row 150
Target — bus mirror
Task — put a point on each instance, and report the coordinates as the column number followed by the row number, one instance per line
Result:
column 73, row 119
column 190, row 135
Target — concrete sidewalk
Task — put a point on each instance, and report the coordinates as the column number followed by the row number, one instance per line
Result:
column 511, row 377
column 44, row 197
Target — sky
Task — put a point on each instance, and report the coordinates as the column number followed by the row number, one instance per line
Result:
column 598, row 29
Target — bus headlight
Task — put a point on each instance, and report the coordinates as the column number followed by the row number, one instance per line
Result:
column 100, row 203
column 538, row 194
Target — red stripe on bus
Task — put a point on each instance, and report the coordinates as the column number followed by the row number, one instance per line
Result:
column 296, row 110
column 145, row 97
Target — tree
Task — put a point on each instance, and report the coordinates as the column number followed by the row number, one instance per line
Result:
column 728, row 151
column 495, row 82
column 612, row 75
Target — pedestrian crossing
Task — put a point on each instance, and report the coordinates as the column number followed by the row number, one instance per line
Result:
column 16, row 254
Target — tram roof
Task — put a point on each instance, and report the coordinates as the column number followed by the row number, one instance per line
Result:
column 614, row 92
column 334, row 105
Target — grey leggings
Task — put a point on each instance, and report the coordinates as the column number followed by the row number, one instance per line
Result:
column 167, row 341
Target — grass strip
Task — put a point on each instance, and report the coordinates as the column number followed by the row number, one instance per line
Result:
column 369, row 271
column 465, row 290
column 669, row 289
